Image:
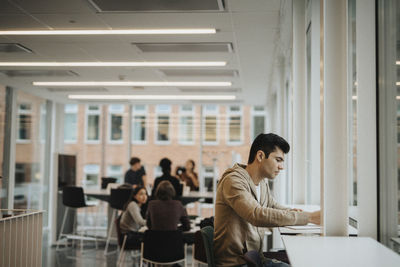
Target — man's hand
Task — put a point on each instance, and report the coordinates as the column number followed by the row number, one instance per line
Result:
column 296, row 210
column 315, row 217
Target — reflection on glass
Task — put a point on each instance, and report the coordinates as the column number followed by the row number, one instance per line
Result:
column 186, row 129
column 93, row 127
column 116, row 127
column 139, row 128
column 163, row 128
column 210, row 129
column 258, row 125
column 234, row 129
column 70, row 127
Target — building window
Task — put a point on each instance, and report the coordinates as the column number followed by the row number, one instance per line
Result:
column 24, row 122
column 115, row 122
column 234, row 115
column 91, row 175
column 92, row 123
column 186, row 133
column 210, row 124
column 139, row 117
column 115, row 171
column 157, row 171
column 258, row 121
column 163, row 124
column 208, row 172
column 70, row 123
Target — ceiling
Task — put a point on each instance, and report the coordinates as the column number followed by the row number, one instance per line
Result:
column 247, row 33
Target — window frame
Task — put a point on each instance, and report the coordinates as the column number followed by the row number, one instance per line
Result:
column 186, row 113
column 203, row 124
column 118, row 111
column 229, row 115
column 23, row 112
column 160, row 112
column 256, row 113
column 92, row 112
column 69, row 110
column 146, row 124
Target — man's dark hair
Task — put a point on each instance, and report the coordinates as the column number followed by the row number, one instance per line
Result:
column 165, row 191
column 134, row 160
column 267, row 143
column 165, row 165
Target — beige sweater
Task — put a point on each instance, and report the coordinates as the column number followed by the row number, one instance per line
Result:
column 239, row 216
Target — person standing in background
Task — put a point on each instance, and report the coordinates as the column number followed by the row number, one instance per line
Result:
column 136, row 175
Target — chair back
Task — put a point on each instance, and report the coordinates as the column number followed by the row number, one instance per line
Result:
column 208, row 238
column 163, row 246
column 119, row 197
column 73, row 197
column 199, row 250
column 118, row 229
column 253, row 258
column 107, row 180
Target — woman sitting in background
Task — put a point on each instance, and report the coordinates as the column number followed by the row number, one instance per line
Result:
column 189, row 176
column 132, row 217
column 164, row 213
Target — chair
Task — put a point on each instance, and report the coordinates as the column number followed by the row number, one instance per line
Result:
column 163, row 247
column 73, row 198
column 199, row 252
column 253, row 259
column 118, row 199
column 208, row 238
column 122, row 242
column 107, row 180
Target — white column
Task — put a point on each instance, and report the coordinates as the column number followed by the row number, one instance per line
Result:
column 335, row 119
column 299, row 100
column 366, row 119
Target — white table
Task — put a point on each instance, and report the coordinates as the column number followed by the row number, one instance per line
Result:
column 310, row 229
column 314, row 251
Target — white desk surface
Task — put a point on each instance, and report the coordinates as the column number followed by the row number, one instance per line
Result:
column 195, row 194
column 315, row 251
column 309, row 229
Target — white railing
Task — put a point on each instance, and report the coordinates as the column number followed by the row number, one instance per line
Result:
column 20, row 238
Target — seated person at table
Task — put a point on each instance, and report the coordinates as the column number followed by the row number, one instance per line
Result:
column 132, row 217
column 189, row 176
column 165, row 165
column 136, row 175
column 164, row 213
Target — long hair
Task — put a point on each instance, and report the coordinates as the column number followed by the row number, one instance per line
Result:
column 133, row 195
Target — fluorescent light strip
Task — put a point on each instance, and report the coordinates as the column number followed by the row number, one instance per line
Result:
column 156, row 84
column 108, row 32
column 116, row 64
column 152, row 97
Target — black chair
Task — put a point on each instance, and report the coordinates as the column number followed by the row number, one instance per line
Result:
column 122, row 243
column 163, row 247
column 73, row 198
column 253, row 258
column 199, row 251
column 208, row 238
column 107, row 180
column 118, row 198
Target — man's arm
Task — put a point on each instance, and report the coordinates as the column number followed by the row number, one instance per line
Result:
column 237, row 195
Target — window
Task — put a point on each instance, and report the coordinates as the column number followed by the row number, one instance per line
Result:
column 210, row 124
column 208, row 172
column 70, row 123
column 92, row 124
column 234, row 115
column 115, row 123
column 91, row 178
column 139, row 117
column 162, row 124
column 43, row 122
column 115, row 171
column 157, row 171
column 186, row 124
column 24, row 122
column 258, row 121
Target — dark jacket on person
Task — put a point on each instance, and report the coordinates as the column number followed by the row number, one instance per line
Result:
column 165, row 215
column 135, row 177
column 173, row 180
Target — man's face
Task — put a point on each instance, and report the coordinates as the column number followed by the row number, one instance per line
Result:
column 136, row 166
column 272, row 165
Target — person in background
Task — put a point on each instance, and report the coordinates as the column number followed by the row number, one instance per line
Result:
column 165, row 165
column 244, row 204
column 189, row 177
column 136, row 175
column 164, row 213
column 132, row 218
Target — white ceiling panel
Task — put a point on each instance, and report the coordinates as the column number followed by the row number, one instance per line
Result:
column 53, row 6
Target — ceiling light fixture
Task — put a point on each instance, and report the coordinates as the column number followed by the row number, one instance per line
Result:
column 112, row 32
column 117, row 64
column 153, row 84
column 152, row 97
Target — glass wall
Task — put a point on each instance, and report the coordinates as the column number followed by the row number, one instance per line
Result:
column 31, row 186
column 2, row 123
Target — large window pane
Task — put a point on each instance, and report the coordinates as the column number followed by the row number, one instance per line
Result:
column 139, row 128
column 258, row 125
column 234, row 129
column 210, row 129
column 186, row 129
column 70, row 123
column 163, row 128
column 116, row 127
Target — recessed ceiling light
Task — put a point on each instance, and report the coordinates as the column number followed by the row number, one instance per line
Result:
column 166, row 84
column 152, row 97
column 116, row 64
column 107, row 32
